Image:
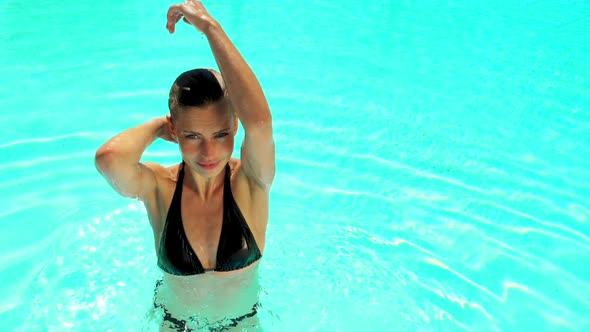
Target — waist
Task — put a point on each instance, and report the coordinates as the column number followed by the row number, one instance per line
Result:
column 212, row 295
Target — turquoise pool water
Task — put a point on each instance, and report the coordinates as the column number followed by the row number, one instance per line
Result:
column 433, row 169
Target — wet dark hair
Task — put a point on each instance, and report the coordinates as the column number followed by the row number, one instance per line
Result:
column 197, row 87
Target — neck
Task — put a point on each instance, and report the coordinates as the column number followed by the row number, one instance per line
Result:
column 204, row 188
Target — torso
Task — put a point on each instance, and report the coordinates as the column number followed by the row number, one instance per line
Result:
column 212, row 295
column 202, row 220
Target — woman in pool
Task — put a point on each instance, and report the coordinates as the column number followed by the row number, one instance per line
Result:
column 208, row 213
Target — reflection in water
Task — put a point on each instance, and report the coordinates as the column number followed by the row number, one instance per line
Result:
column 214, row 300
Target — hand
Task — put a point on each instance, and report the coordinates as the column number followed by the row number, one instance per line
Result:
column 192, row 12
column 164, row 130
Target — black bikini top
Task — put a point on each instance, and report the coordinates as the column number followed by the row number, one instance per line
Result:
column 237, row 246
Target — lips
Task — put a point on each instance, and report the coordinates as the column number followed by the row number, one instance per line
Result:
column 208, row 165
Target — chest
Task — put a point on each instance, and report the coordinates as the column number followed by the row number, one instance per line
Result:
column 202, row 222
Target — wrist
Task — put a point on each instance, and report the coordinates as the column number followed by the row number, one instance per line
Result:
column 210, row 26
column 159, row 124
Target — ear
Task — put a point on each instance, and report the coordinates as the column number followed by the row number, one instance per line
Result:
column 171, row 128
column 235, row 124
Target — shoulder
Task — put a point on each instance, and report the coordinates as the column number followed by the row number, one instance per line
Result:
column 157, row 200
column 252, row 200
column 243, row 188
column 238, row 177
column 234, row 164
column 165, row 177
column 163, row 172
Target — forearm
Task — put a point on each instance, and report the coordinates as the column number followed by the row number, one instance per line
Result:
column 128, row 146
column 243, row 87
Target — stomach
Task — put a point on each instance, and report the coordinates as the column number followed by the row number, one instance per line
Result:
column 209, row 297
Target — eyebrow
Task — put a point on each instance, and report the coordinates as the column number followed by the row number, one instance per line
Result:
column 195, row 132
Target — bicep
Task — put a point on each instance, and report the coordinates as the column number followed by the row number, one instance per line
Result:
column 128, row 179
column 258, row 156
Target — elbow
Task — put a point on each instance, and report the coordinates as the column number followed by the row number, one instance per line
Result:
column 265, row 119
column 103, row 159
column 261, row 124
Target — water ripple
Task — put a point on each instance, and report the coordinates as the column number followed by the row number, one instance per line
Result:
column 51, row 139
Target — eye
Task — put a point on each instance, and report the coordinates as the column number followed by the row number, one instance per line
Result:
column 221, row 135
column 191, row 136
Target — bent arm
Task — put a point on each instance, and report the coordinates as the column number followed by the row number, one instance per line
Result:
column 118, row 160
column 250, row 104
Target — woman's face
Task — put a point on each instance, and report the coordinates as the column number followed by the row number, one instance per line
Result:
column 206, row 137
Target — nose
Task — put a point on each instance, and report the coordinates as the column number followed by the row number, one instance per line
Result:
column 208, row 149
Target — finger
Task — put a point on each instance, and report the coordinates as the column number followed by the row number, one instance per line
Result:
column 171, row 14
column 177, row 18
column 173, row 11
column 174, row 14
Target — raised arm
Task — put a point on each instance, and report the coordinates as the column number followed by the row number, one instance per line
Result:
column 245, row 93
column 118, row 160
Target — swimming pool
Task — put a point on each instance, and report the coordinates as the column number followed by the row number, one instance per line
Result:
column 432, row 162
